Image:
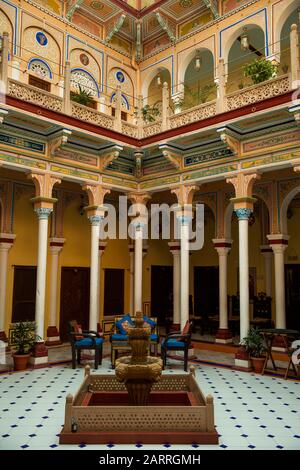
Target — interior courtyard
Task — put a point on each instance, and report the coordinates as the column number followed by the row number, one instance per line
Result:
column 111, row 108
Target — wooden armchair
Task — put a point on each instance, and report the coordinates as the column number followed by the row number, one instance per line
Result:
column 178, row 341
column 84, row 339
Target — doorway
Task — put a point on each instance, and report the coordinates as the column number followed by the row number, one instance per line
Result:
column 113, row 291
column 206, row 290
column 292, row 296
column 24, row 293
column 162, row 293
column 74, row 299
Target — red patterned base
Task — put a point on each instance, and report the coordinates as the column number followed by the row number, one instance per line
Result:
column 39, row 350
column 224, row 335
column 53, row 336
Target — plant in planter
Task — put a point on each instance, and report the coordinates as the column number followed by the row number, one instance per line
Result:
column 261, row 70
column 24, row 338
column 82, row 97
column 149, row 113
column 255, row 347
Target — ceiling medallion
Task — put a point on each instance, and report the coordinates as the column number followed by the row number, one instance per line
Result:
column 97, row 5
column 186, row 3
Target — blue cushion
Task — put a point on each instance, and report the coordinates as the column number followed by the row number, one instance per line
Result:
column 87, row 342
column 154, row 338
column 119, row 324
column 150, row 322
column 173, row 343
column 119, row 337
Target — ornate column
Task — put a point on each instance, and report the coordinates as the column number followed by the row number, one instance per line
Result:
column 279, row 244
column 243, row 207
column 67, row 88
column 139, row 214
column 184, row 216
column 165, row 107
column 294, row 52
column 4, row 62
column 43, row 207
column 175, row 250
column 267, row 252
column 131, row 273
column 102, row 246
column 95, row 213
column 6, row 242
column 223, row 247
column 56, row 245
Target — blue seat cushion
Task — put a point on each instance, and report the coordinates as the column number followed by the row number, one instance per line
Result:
column 119, row 337
column 123, row 324
column 173, row 343
column 88, row 342
column 154, row 337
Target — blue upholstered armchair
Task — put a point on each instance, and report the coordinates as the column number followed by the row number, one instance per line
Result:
column 122, row 323
column 84, row 339
column 177, row 341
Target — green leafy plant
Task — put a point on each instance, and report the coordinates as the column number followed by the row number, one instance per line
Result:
column 197, row 95
column 81, row 96
column 254, row 343
column 149, row 113
column 24, row 336
column 260, row 70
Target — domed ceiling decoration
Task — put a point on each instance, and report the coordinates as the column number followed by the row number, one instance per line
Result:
column 141, row 27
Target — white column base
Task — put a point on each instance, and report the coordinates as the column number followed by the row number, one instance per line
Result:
column 242, row 364
column 223, row 341
column 53, row 339
column 278, row 349
column 38, row 361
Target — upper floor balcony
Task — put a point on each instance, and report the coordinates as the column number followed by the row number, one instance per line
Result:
column 250, row 70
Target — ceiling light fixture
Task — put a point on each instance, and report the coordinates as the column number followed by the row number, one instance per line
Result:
column 244, row 40
column 198, row 62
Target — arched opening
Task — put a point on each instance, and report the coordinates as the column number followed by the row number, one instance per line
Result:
column 154, row 92
column 198, row 85
column 285, row 43
column 247, row 47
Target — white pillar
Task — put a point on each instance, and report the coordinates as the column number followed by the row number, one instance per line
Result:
column 223, row 247
column 138, row 268
column 184, row 222
column 243, row 217
column 6, row 242
column 279, row 245
column 267, row 253
column 43, row 216
column 95, row 221
column 175, row 250
column 131, row 273
column 56, row 245
column 15, row 73
column 102, row 246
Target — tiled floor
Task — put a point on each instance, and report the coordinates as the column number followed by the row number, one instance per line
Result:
column 251, row 411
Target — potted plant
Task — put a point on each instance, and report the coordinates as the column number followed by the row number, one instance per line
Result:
column 149, row 113
column 82, row 97
column 24, row 338
column 255, row 347
column 261, row 70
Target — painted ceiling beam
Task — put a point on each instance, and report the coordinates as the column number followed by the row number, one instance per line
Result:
column 165, row 26
column 116, row 28
column 213, row 6
column 138, row 42
column 72, row 6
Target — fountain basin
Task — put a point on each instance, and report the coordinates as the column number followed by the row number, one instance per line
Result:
column 177, row 412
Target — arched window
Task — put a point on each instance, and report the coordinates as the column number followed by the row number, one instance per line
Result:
column 83, row 79
column 124, row 101
column 40, row 68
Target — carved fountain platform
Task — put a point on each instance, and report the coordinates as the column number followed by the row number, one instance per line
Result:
column 138, row 404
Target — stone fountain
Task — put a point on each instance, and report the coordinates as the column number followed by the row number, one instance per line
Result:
column 139, row 371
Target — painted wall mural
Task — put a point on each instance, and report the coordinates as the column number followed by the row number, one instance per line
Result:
column 43, row 45
column 229, row 5
column 53, row 5
column 194, row 24
column 156, row 44
column 88, row 25
column 119, row 77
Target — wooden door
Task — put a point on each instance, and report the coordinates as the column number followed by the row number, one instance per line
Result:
column 74, row 298
column 113, row 291
column 24, row 293
column 292, row 295
column 206, row 290
column 162, row 293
